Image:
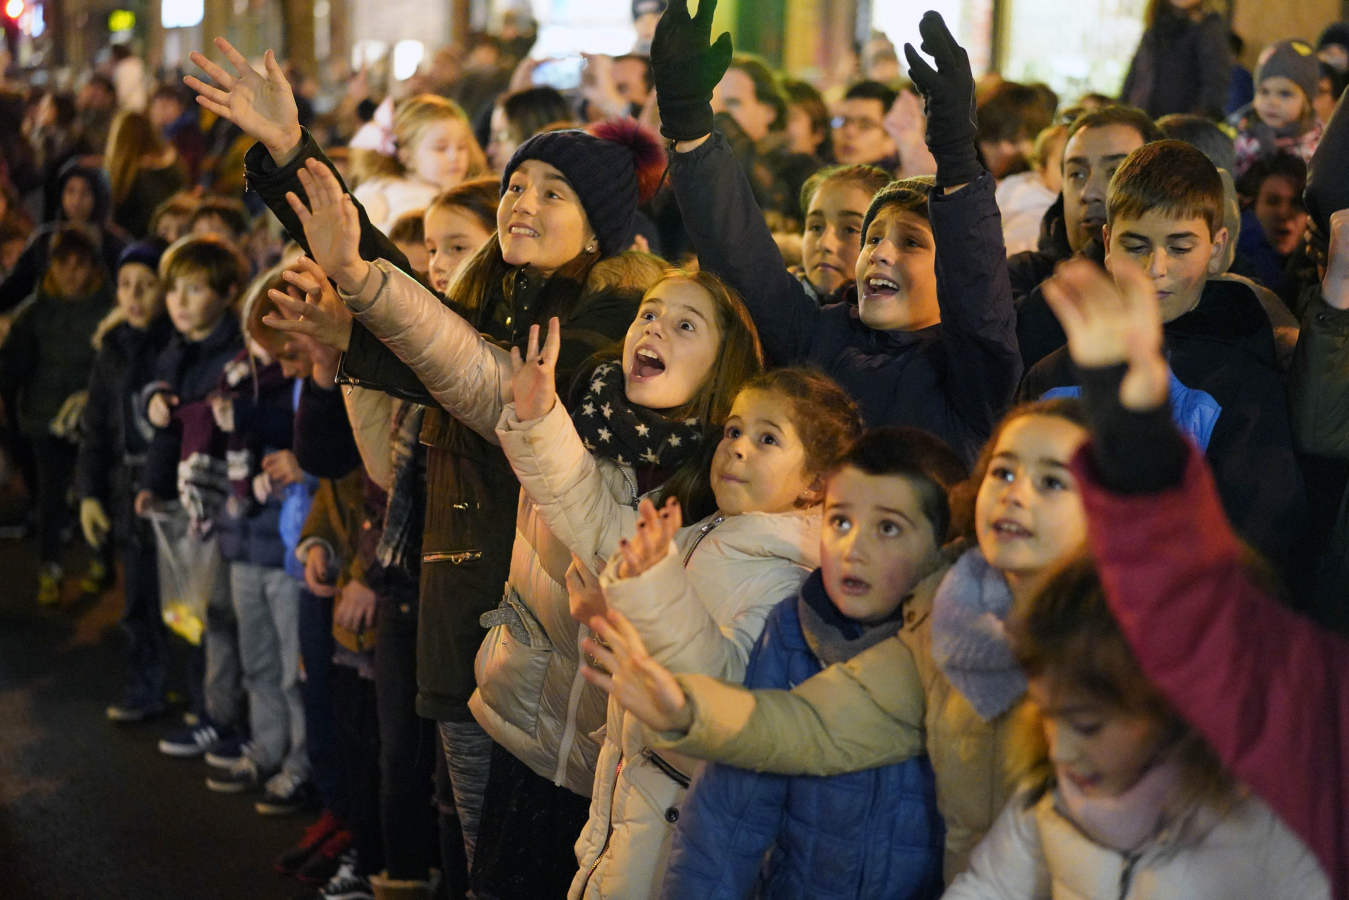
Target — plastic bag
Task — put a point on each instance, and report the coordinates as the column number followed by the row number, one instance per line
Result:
column 188, row 569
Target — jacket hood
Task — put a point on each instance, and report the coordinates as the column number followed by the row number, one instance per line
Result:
column 96, row 179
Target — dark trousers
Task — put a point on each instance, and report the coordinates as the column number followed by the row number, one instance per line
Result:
column 358, row 748
column 526, row 841
column 316, row 650
column 147, row 638
column 55, row 467
column 409, row 746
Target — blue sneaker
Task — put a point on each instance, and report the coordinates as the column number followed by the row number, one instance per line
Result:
column 194, row 741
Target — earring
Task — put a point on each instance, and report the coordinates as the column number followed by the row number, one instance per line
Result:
column 590, row 247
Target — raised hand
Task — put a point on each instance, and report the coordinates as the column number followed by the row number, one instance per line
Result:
column 685, row 68
column 310, row 310
column 948, row 101
column 533, row 382
column 651, row 541
column 1109, row 322
column 330, row 225
column 641, row 685
column 263, row 106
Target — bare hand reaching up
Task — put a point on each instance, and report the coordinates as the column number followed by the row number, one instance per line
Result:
column 651, row 541
column 310, row 310
column 533, row 383
column 641, row 685
column 330, row 225
column 262, row 105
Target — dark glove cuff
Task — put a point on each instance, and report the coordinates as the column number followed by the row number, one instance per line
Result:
column 685, row 120
column 957, row 164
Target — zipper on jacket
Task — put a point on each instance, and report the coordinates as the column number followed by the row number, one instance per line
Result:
column 455, row 558
column 608, row 834
column 1126, row 877
column 669, row 771
column 702, row 533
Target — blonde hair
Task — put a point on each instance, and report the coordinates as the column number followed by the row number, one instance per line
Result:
column 132, row 138
column 410, row 119
column 630, row 270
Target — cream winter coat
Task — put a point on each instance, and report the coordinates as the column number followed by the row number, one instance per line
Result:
column 530, row 696
column 1036, row 852
column 700, row 609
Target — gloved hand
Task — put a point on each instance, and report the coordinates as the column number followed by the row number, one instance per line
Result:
column 93, row 522
column 685, row 69
column 66, row 422
column 948, row 101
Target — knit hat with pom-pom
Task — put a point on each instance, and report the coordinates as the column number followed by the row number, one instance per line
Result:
column 613, row 166
column 1294, row 60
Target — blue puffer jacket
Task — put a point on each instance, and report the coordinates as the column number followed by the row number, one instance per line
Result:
column 870, row 834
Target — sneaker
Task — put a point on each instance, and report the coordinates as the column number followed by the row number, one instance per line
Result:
column 243, row 776
column 346, row 884
column 284, row 794
column 225, row 752
column 290, row 862
column 324, row 863
column 97, row 578
column 49, row 585
column 194, row 740
column 134, row 708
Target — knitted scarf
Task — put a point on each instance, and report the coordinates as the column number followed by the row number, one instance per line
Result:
column 407, row 494
column 613, row 427
column 969, row 636
column 832, row 636
column 1126, row 821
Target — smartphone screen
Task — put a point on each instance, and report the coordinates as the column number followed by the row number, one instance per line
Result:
column 563, row 73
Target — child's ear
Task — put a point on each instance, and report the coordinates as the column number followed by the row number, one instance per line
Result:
column 813, row 494
column 1217, row 253
column 1105, row 239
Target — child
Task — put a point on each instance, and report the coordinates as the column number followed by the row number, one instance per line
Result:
column 1120, row 795
column 433, row 150
column 47, row 357
column 408, row 234
column 456, row 224
column 932, row 342
column 1281, row 118
column 1273, row 221
column 202, row 276
column 116, row 436
column 703, row 606
column 946, row 680
column 1024, row 198
column 885, row 518
column 835, row 200
column 1165, row 210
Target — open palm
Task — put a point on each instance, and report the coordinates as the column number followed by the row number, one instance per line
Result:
column 262, row 105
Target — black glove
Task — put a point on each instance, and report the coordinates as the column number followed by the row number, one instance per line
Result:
column 685, row 69
column 948, row 102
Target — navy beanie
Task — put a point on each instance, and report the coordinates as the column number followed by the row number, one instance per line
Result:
column 909, row 193
column 146, row 252
column 610, row 175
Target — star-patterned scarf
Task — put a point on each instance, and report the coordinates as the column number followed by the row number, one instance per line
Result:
column 614, row 428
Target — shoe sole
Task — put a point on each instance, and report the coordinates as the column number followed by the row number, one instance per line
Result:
column 265, row 808
column 216, row 761
column 180, row 751
column 349, row 895
column 128, row 717
column 229, row 787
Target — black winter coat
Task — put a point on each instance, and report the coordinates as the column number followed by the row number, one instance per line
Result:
column 1180, row 66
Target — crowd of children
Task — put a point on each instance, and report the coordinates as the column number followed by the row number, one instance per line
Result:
column 881, row 544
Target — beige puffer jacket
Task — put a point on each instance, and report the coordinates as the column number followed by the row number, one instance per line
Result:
column 530, row 696
column 883, row 706
column 1034, row 851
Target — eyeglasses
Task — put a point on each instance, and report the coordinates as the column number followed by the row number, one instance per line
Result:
column 858, row 122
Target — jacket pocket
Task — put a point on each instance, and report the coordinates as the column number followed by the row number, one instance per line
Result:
column 512, row 663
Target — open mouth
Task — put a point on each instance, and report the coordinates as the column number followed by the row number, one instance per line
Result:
column 646, row 363
column 878, row 286
column 853, row 585
column 522, row 231
column 1008, row 528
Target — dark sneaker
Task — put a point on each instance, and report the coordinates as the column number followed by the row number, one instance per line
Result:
column 346, row 884
column 194, row 740
column 284, row 794
column 323, row 864
column 290, row 862
column 134, row 708
column 225, row 752
column 243, row 776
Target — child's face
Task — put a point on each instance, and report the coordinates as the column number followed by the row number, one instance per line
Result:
column 876, row 544
column 1178, row 254
column 540, row 220
column 833, row 235
column 671, row 346
column 897, row 274
column 70, row 275
column 1100, row 748
column 214, row 225
column 760, row 463
column 1090, row 157
column 195, row 308
column 295, row 360
column 1279, row 102
column 452, row 236
column 440, row 154
column 418, row 257
column 1028, row 513
column 77, row 200
column 1283, row 218
column 171, row 226
column 138, row 294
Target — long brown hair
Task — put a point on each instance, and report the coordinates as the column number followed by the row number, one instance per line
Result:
column 131, row 139
column 1065, row 631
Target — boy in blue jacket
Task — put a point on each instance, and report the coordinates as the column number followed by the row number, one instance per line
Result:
column 875, row 833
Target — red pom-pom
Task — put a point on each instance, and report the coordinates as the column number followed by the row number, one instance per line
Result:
column 648, row 154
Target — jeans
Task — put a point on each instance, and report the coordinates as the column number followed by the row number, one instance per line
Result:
column 316, row 690
column 468, row 757
column 222, row 697
column 147, row 641
column 267, row 605
column 55, row 467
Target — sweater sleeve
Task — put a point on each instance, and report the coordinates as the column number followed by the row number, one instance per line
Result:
column 324, row 444
column 854, row 715
column 729, row 235
column 1262, row 684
